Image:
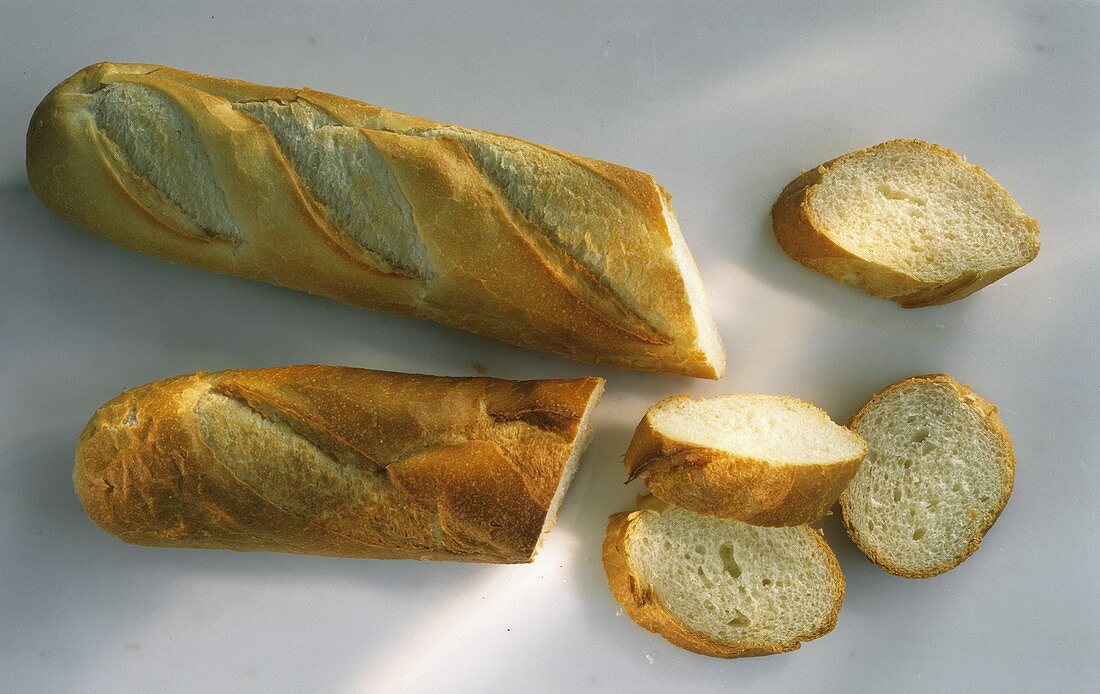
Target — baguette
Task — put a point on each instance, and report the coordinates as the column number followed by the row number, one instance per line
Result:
column 762, row 459
column 907, row 221
column 938, row 473
column 307, row 190
column 336, row 461
column 722, row 588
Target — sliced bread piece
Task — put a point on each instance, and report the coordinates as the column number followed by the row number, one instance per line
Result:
column 907, row 221
column 938, row 473
column 722, row 588
column 762, row 459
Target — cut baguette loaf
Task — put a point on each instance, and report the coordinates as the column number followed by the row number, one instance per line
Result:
column 938, row 473
column 483, row 232
column 336, row 461
column 907, row 221
column 762, row 459
column 722, row 588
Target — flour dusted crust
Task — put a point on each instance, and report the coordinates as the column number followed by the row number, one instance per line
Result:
column 336, row 461
column 486, row 233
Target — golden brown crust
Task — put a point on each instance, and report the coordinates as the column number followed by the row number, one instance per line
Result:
column 807, row 241
column 494, row 272
column 361, row 463
column 716, row 483
column 641, row 602
column 992, row 421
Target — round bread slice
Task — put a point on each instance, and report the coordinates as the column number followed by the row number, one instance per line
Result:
column 763, row 459
column 722, row 588
column 938, row 473
column 907, row 221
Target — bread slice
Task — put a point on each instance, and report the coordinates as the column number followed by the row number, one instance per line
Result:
column 938, row 473
column 722, row 588
column 762, row 459
column 907, row 221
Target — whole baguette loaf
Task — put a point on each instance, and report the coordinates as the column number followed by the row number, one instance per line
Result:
column 336, row 461
column 307, row 190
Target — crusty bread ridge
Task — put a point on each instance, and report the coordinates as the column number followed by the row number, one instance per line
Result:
column 336, row 461
column 758, row 486
column 785, row 625
column 908, row 274
column 954, row 470
column 486, row 233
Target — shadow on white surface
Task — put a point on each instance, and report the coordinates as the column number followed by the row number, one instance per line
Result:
column 46, row 535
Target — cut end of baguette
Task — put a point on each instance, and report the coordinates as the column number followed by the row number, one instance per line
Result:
column 905, row 220
column 938, row 473
column 722, row 588
column 580, row 442
column 762, row 459
column 711, row 355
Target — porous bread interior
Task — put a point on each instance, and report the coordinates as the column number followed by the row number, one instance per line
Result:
column 922, row 211
column 580, row 211
column 934, row 474
column 707, row 336
column 734, row 582
column 347, row 174
column 580, row 441
column 158, row 142
column 764, row 427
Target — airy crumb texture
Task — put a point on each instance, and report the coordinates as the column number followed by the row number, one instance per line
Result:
column 769, row 427
column 938, row 473
column 723, row 588
column 906, row 220
column 763, row 459
column 922, row 209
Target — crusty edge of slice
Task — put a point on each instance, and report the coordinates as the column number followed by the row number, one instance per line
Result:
column 717, row 483
column 988, row 411
column 798, row 232
column 639, row 600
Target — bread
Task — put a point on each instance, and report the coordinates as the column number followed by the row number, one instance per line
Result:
column 482, row 232
column 762, row 459
column 938, row 473
column 336, row 461
column 906, row 221
column 722, row 588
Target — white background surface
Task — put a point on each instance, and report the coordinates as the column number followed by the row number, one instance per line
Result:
column 724, row 104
